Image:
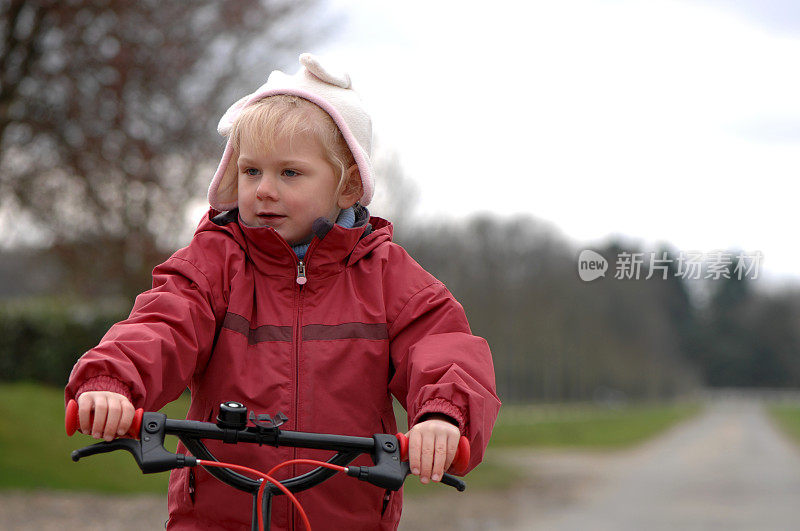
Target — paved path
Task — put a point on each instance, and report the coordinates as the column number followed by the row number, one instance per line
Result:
column 728, row 469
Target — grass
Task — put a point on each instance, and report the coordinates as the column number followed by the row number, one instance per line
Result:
column 787, row 417
column 585, row 426
column 34, row 450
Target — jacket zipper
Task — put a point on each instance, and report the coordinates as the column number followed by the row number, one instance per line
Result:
column 301, row 280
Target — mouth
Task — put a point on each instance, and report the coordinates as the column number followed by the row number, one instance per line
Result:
column 270, row 217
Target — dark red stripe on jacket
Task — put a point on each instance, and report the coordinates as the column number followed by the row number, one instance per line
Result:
column 311, row 332
column 239, row 324
column 377, row 331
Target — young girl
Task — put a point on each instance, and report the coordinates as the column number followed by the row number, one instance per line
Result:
column 291, row 298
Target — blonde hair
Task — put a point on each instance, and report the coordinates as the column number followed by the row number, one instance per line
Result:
column 281, row 115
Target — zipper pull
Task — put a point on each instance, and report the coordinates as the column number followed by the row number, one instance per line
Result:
column 301, row 273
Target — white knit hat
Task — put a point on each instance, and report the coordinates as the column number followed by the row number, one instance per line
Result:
column 330, row 90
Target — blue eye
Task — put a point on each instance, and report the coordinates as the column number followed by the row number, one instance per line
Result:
column 290, row 173
column 251, row 171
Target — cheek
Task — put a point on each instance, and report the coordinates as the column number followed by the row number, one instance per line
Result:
column 244, row 193
column 244, row 187
column 321, row 202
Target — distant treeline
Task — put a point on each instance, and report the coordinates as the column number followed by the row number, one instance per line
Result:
column 556, row 337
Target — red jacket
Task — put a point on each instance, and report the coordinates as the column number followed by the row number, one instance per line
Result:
column 227, row 318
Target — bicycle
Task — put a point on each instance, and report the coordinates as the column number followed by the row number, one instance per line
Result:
column 234, row 425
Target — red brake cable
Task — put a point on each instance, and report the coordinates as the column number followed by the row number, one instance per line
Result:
column 268, row 477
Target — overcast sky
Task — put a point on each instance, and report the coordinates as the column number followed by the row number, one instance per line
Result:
column 674, row 121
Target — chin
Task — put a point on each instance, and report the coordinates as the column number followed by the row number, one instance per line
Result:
column 293, row 242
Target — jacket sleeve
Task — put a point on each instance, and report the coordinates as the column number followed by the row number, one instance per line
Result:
column 440, row 367
column 151, row 356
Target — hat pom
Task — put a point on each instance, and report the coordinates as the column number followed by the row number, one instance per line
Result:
column 326, row 74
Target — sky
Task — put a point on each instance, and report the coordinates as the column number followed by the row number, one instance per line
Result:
column 662, row 121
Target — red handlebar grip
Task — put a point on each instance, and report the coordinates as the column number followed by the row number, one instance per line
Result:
column 403, row 440
column 71, row 417
column 136, row 424
column 71, row 420
column 460, row 461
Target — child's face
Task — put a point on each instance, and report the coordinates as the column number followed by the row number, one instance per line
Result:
column 287, row 188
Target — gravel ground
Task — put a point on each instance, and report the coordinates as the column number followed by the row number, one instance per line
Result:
column 58, row 511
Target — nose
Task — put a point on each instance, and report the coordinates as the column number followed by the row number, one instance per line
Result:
column 267, row 188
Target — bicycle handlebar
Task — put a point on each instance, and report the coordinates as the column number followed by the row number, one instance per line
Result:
column 388, row 452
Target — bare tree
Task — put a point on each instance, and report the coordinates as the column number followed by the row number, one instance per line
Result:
column 108, row 112
column 396, row 194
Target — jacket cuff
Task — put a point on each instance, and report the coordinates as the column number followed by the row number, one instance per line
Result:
column 443, row 406
column 104, row 383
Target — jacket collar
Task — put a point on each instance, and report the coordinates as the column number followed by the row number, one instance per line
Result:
column 332, row 247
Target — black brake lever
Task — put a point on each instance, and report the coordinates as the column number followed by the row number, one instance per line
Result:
column 393, row 476
column 389, row 471
column 128, row 445
column 148, row 451
column 454, row 482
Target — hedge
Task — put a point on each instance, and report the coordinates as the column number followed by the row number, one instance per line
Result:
column 41, row 339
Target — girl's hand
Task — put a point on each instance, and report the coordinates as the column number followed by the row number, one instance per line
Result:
column 432, row 445
column 113, row 414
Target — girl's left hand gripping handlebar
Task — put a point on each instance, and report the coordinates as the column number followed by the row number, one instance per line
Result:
column 146, row 445
column 71, row 420
column 460, row 461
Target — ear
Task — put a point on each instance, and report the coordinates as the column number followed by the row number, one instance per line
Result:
column 352, row 188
